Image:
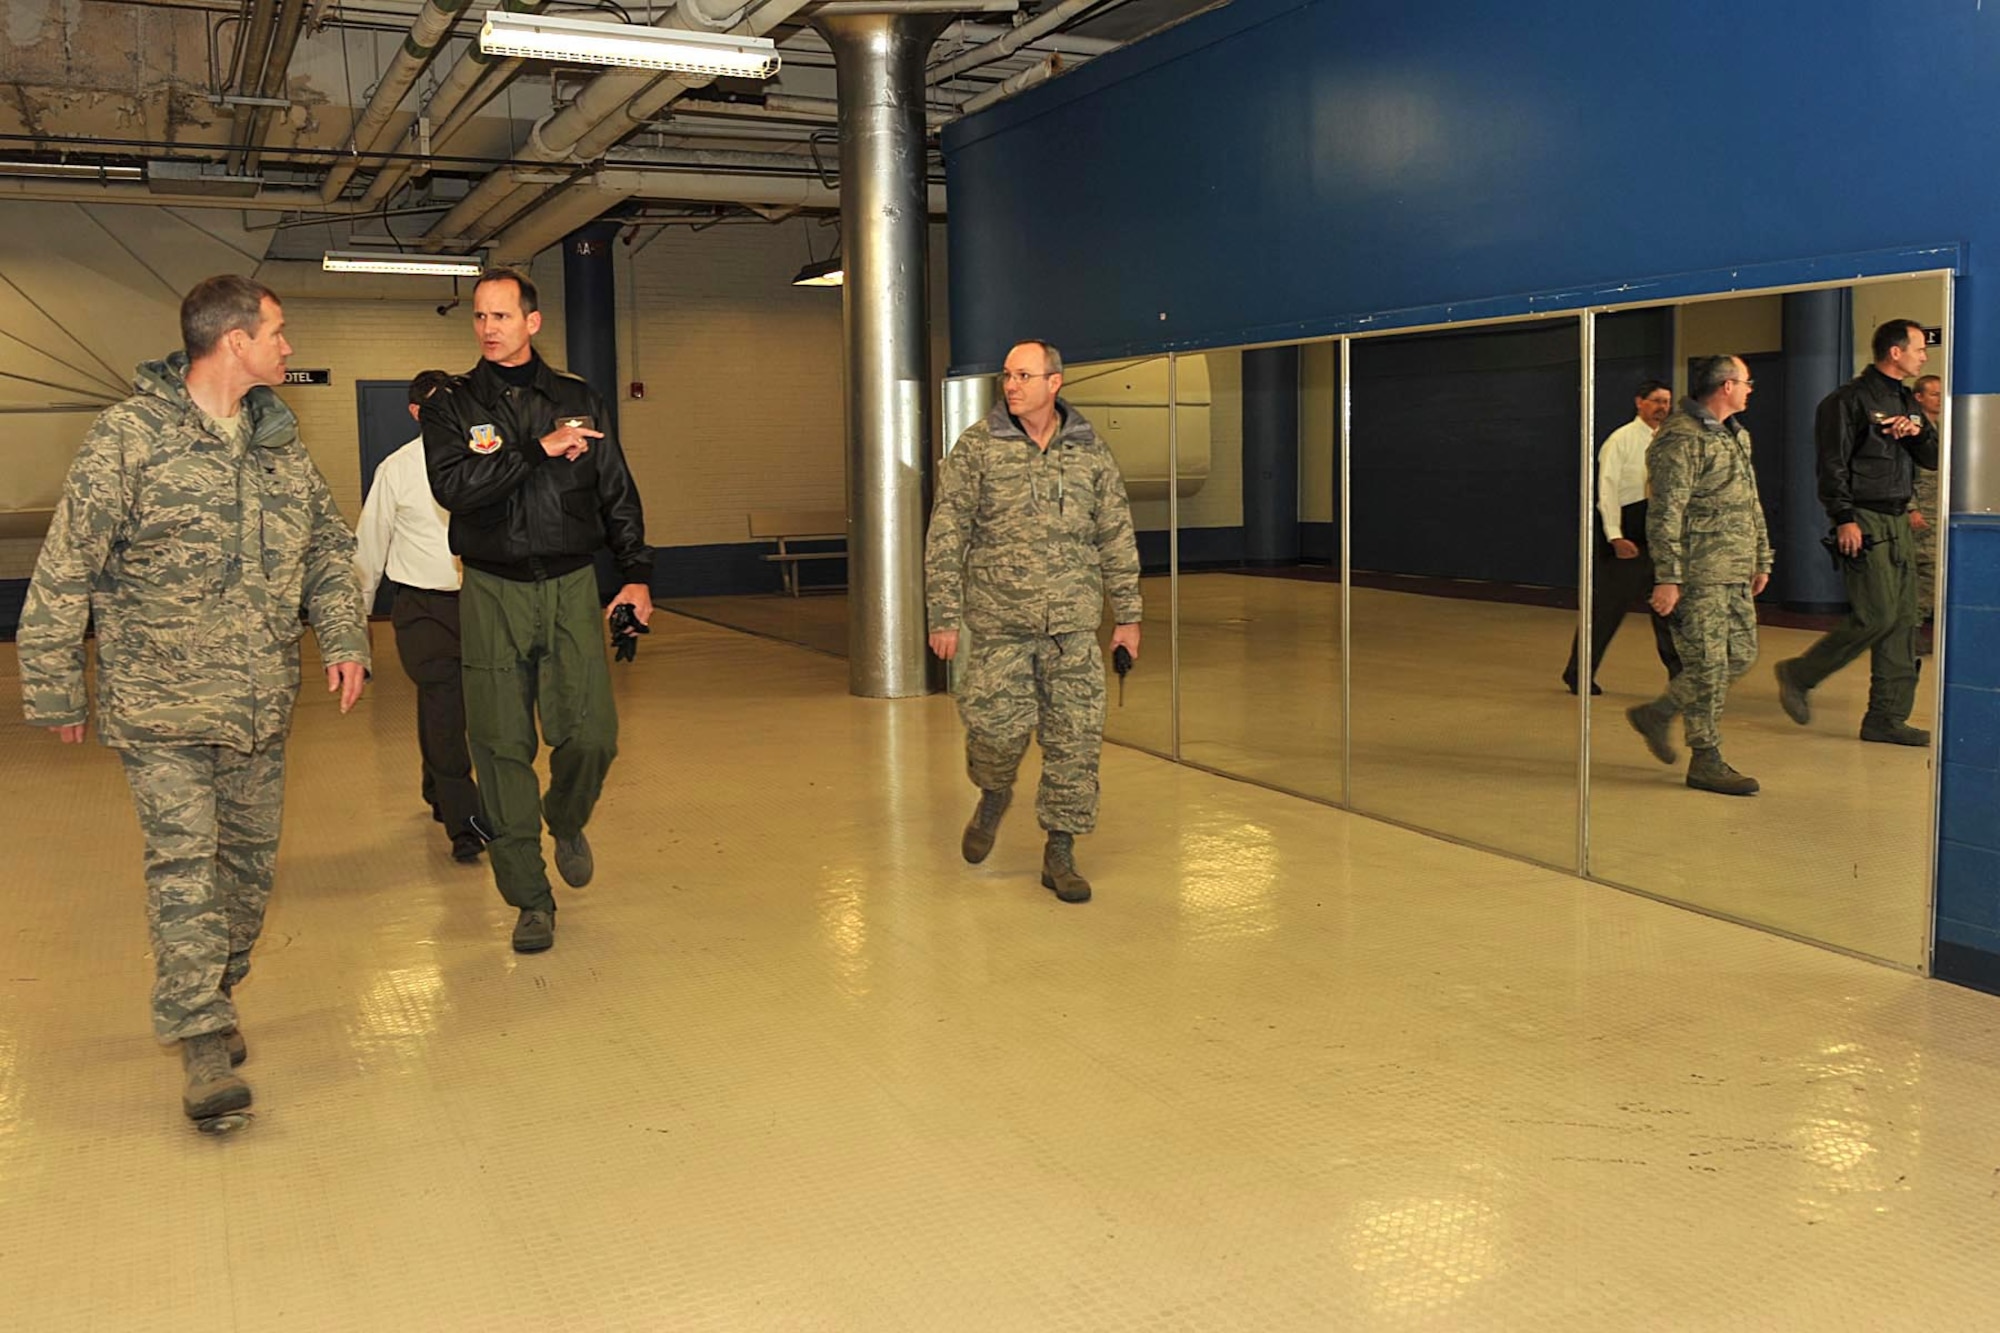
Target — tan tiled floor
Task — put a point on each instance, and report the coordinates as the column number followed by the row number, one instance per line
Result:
column 793, row 1065
column 1461, row 726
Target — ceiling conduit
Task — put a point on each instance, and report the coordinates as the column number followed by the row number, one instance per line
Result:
column 283, row 42
column 1012, row 42
column 555, row 139
column 469, row 86
column 256, row 54
column 427, row 32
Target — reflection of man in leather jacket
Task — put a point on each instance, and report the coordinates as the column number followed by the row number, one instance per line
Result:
column 522, row 457
column 1872, row 437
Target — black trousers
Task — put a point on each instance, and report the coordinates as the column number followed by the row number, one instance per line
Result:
column 426, row 625
column 1615, row 585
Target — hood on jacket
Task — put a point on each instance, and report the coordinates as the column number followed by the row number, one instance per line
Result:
column 272, row 424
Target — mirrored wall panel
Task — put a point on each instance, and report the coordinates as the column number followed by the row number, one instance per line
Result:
column 1260, row 593
column 1835, row 844
column 1130, row 405
column 1465, row 476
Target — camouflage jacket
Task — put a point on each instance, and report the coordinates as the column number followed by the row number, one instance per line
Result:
column 1704, row 521
column 1027, row 541
column 194, row 559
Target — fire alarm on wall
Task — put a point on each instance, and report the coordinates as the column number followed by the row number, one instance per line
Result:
column 638, row 388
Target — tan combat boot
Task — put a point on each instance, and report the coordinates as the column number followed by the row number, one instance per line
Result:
column 985, row 824
column 1707, row 772
column 211, row 1089
column 1059, row 871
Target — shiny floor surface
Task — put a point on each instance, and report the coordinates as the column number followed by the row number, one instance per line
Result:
column 1462, row 727
column 793, row 1065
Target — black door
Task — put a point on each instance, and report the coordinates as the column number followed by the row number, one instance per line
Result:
column 385, row 427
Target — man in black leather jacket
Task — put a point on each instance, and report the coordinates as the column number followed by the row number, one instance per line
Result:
column 522, row 457
column 1872, row 436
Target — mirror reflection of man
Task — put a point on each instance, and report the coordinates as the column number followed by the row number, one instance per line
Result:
column 1872, row 437
column 524, row 458
column 1711, row 556
column 1622, row 572
column 1926, row 513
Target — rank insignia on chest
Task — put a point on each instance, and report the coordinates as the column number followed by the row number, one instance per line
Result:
column 484, row 439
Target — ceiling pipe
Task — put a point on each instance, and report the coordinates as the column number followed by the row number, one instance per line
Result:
column 427, row 32
column 474, row 81
column 1027, row 78
column 960, row 35
column 283, row 42
column 1012, row 42
column 586, row 199
column 609, row 108
column 256, row 48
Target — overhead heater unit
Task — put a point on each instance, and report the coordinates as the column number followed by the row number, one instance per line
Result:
column 432, row 266
column 631, row 45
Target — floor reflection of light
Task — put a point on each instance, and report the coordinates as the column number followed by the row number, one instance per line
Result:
column 1229, row 877
column 11, row 1110
column 402, row 1008
column 843, row 926
column 1418, row 1254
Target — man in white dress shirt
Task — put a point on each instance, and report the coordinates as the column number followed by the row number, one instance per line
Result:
column 1622, row 572
column 405, row 534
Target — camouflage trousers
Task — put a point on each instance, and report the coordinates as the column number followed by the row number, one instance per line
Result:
column 1050, row 686
column 210, row 816
column 1715, row 633
column 1924, row 544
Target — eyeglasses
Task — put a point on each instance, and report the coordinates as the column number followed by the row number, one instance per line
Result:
column 1748, row 384
column 1023, row 376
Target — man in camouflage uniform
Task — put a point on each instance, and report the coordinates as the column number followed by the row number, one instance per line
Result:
column 1711, row 557
column 192, row 530
column 1926, row 513
column 1030, row 532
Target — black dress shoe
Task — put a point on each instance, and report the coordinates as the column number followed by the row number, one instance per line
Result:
column 1595, row 688
column 466, row 846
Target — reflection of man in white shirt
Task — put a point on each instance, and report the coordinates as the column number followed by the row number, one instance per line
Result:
column 404, row 534
column 1622, row 572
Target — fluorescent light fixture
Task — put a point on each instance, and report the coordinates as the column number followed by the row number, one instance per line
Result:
column 825, row 273
column 633, row 45
column 73, row 170
column 433, row 266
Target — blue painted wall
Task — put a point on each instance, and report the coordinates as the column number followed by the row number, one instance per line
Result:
column 1350, row 166
column 1283, row 169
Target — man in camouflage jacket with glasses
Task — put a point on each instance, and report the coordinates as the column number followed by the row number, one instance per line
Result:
column 1030, row 533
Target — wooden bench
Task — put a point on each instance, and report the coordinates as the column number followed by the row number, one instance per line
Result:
column 785, row 526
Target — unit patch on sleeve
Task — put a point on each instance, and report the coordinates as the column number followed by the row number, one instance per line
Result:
column 484, row 439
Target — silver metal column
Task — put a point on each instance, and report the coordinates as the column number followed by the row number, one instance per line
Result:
column 1586, row 551
column 884, row 219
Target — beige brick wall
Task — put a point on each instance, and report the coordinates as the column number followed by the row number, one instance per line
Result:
column 744, row 405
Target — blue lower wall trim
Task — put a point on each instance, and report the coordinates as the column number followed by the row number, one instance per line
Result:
column 13, row 592
column 1964, row 965
column 1201, row 548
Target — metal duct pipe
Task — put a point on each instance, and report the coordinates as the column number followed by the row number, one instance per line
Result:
column 1012, row 42
column 283, row 42
column 828, row 109
column 885, row 303
column 1067, row 43
column 427, row 31
column 1007, row 87
column 610, row 107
